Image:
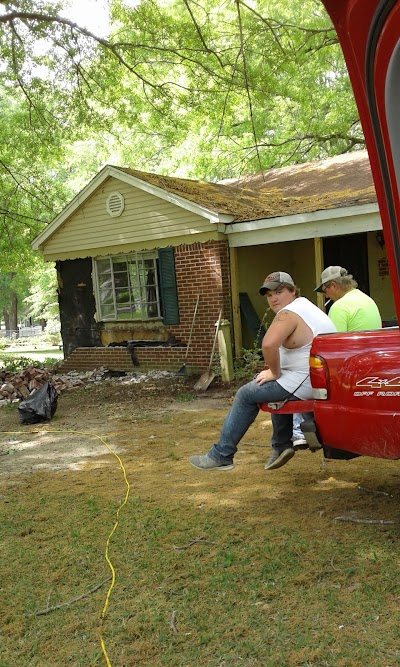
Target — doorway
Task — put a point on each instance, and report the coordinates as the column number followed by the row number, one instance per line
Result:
column 350, row 252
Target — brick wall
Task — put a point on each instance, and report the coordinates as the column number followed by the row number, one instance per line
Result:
column 201, row 269
column 119, row 358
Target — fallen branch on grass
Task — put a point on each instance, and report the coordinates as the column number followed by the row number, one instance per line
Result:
column 375, row 493
column 172, row 622
column 381, row 522
column 47, row 610
column 196, row 540
column 333, row 566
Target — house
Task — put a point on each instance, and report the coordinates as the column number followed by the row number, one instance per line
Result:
column 133, row 251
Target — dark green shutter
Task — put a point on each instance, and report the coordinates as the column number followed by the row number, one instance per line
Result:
column 169, row 294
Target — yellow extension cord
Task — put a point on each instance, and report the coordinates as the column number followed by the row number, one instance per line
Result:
column 128, row 488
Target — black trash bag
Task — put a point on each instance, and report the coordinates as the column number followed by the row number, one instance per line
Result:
column 40, row 406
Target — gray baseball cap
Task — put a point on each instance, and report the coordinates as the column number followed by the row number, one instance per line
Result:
column 330, row 273
column 274, row 280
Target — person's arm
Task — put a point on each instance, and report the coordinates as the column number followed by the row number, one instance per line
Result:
column 284, row 324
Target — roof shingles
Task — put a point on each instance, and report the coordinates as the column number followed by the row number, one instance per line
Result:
column 341, row 181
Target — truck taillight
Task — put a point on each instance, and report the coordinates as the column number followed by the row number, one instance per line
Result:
column 318, row 377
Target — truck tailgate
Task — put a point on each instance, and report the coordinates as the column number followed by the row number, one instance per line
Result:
column 361, row 413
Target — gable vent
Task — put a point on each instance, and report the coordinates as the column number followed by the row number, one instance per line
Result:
column 115, row 204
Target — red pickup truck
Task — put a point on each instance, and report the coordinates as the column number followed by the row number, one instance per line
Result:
column 356, row 376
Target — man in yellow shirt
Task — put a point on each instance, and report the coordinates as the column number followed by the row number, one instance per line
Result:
column 352, row 309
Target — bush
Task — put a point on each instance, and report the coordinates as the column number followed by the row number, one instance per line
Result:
column 49, row 362
column 4, row 342
column 54, row 339
column 13, row 364
column 40, row 340
column 249, row 365
column 25, row 341
column 47, row 338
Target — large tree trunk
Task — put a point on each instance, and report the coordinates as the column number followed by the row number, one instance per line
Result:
column 6, row 321
column 11, row 316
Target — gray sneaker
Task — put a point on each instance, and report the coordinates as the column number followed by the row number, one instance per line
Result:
column 278, row 459
column 206, row 462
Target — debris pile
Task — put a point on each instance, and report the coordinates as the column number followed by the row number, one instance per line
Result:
column 19, row 385
column 16, row 386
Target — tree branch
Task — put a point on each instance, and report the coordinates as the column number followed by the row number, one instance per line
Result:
column 246, row 80
column 47, row 609
column 198, row 30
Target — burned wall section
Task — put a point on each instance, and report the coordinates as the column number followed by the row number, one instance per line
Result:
column 77, row 305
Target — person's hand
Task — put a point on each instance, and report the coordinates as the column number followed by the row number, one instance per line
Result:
column 264, row 376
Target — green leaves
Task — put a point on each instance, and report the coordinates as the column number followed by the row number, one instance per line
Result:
column 262, row 85
column 205, row 90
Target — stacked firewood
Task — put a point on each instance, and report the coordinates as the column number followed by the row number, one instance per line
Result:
column 19, row 385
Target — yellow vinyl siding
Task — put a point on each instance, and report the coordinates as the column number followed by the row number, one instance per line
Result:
column 91, row 251
column 145, row 218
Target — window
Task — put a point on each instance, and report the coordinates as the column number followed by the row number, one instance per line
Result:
column 127, row 287
column 138, row 286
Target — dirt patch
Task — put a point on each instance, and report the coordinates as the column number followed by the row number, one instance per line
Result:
column 86, row 416
column 159, row 427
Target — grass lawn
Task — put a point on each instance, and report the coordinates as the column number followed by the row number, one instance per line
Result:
column 35, row 353
column 213, row 569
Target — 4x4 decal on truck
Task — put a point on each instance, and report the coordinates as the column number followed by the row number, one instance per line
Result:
column 377, row 383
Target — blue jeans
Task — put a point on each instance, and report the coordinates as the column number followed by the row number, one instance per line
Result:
column 297, row 432
column 298, row 418
column 242, row 414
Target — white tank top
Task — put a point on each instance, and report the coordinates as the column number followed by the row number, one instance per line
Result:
column 295, row 364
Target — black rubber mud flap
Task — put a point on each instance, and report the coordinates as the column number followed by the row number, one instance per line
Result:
column 332, row 453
